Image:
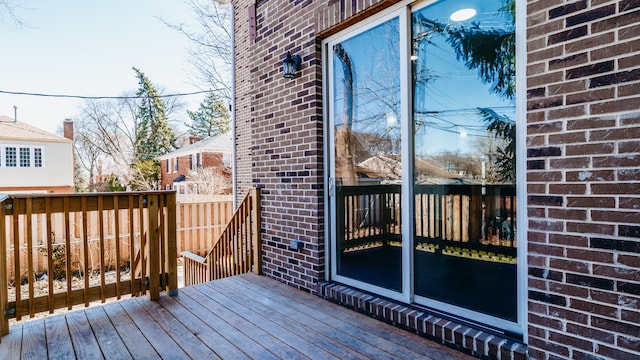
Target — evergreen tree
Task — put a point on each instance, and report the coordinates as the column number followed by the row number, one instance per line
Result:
column 154, row 136
column 492, row 53
column 211, row 118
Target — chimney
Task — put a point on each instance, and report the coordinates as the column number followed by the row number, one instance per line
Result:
column 68, row 129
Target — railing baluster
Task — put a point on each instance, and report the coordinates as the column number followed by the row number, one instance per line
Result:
column 85, row 249
column 144, row 238
column 16, row 259
column 171, row 244
column 4, row 291
column 153, row 248
column 50, row 272
column 103, row 265
column 29, row 238
column 132, row 241
column 116, row 240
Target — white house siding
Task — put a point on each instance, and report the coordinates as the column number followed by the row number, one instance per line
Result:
column 56, row 170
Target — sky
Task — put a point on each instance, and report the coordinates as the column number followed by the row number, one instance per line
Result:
column 88, row 48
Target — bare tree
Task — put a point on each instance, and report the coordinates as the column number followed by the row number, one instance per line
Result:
column 8, row 12
column 210, row 181
column 210, row 47
column 87, row 148
column 105, row 132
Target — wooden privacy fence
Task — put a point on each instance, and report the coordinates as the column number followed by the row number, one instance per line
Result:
column 89, row 244
column 200, row 224
column 236, row 251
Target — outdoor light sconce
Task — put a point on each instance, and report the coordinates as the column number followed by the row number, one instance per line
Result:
column 290, row 65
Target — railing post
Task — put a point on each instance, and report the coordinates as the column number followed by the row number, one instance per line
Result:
column 170, row 244
column 4, row 321
column 255, row 231
column 153, row 256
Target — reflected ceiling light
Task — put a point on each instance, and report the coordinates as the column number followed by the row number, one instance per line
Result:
column 392, row 119
column 463, row 14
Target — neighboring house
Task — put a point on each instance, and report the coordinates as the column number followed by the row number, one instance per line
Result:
column 214, row 152
column 33, row 160
column 542, row 258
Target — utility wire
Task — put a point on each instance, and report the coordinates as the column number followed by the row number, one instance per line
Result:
column 98, row 97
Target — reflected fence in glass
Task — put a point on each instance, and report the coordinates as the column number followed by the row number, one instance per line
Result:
column 480, row 217
column 473, row 226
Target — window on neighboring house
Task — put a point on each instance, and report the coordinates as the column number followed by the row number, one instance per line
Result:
column 25, row 157
column 175, row 165
column 198, row 159
column 192, row 162
column 226, row 160
column 37, row 157
column 10, row 159
column 167, row 165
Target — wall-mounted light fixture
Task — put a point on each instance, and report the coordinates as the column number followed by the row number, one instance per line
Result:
column 290, row 65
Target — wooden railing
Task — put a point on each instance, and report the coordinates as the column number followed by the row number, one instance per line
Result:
column 58, row 226
column 236, row 251
column 198, row 225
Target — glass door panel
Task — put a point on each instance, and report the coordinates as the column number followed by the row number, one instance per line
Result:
column 464, row 157
column 367, row 163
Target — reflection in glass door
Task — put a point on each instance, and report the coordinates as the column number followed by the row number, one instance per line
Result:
column 464, row 157
column 451, row 173
column 367, row 163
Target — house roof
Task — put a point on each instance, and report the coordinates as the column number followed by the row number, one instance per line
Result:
column 222, row 143
column 12, row 130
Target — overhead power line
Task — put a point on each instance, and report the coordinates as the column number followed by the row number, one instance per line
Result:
column 98, row 97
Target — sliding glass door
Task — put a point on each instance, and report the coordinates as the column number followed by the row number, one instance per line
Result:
column 421, row 152
column 366, row 155
column 464, row 157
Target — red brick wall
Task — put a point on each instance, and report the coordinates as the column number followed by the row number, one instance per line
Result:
column 583, row 156
column 280, row 129
column 184, row 167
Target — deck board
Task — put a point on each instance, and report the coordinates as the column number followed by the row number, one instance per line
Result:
column 84, row 341
column 184, row 337
column 242, row 317
column 111, row 345
column 223, row 347
column 135, row 342
column 339, row 343
column 247, row 345
column 58, row 338
column 358, row 325
column 349, row 322
column 32, row 347
column 275, row 345
column 164, row 345
column 11, row 344
column 281, row 329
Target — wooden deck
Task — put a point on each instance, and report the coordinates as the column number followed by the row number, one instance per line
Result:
column 247, row 316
